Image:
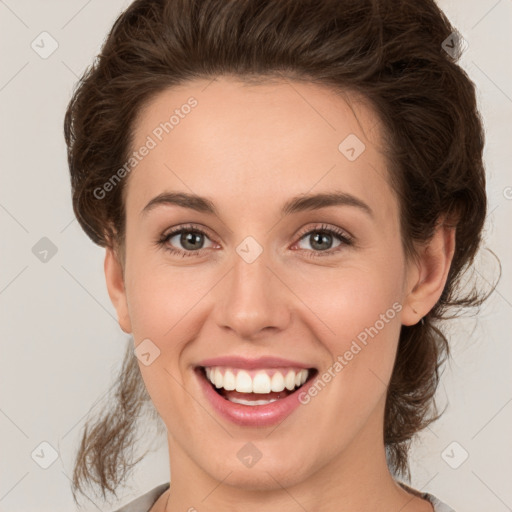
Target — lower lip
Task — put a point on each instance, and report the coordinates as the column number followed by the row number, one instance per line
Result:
column 252, row 415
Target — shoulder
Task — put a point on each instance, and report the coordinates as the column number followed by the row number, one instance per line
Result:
column 146, row 501
column 437, row 504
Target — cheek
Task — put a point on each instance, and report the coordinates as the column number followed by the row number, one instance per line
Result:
column 345, row 300
column 357, row 318
column 158, row 296
column 161, row 310
column 352, row 298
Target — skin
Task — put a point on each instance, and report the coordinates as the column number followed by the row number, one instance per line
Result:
column 249, row 149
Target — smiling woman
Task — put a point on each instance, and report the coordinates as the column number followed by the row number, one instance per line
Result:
column 286, row 255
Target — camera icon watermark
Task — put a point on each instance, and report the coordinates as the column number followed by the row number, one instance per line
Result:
column 249, row 249
column 44, row 455
column 454, row 45
column 352, row 147
column 249, row 455
column 454, row 455
column 44, row 250
column 44, row 45
column 146, row 352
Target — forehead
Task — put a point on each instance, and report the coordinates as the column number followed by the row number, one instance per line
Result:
column 245, row 144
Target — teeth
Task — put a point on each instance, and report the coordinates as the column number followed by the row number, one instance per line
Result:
column 240, row 380
column 229, row 382
column 243, row 382
column 277, row 382
column 250, row 402
column 261, row 383
column 289, row 380
column 218, row 379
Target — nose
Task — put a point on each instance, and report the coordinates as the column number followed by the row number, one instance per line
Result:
column 253, row 300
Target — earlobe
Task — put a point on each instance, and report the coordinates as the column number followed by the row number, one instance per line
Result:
column 427, row 275
column 116, row 289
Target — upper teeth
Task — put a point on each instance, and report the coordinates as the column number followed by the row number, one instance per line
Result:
column 263, row 381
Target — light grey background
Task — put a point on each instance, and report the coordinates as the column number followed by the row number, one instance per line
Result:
column 61, row 345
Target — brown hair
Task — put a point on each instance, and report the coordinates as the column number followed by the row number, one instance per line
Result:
column 390, row 52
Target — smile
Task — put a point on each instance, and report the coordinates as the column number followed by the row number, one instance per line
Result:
column 255, row 397
column 256, row 381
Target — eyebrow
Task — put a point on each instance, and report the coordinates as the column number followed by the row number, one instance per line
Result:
column 296, row 204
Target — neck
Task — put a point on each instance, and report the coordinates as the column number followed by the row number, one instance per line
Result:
column 357, row 478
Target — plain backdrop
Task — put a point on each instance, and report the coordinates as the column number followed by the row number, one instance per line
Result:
column 62, row 346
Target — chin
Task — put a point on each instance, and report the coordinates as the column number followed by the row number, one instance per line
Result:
column 262, row 479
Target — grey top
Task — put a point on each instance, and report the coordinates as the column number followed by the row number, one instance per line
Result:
column 146, row 501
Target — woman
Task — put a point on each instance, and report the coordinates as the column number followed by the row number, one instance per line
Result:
column 288, row 193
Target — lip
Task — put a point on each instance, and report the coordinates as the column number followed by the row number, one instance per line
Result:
column 252, row 415
column 252, row 364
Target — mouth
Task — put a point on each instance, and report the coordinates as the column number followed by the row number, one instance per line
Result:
column 255, row 388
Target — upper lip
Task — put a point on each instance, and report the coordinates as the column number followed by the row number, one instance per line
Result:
column 251, row 364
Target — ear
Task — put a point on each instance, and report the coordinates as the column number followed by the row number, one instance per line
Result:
column 427, row 274
column 116, row 289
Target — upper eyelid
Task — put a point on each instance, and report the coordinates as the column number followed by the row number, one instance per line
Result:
column 301, row 234
column 337, row 231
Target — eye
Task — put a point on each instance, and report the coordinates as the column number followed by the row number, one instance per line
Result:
column 191, row 238
column 321, row 239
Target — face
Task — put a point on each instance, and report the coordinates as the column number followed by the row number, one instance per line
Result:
column 325, row 288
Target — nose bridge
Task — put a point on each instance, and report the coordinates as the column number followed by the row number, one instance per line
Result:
column 252, row 299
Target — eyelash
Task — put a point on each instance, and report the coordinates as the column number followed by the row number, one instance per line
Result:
column 340, row 234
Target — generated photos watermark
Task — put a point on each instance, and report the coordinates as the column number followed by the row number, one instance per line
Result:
column 343, row 360
column 157, row 135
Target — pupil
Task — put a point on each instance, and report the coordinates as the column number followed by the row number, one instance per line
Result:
column 323, row 237
column 189, row 238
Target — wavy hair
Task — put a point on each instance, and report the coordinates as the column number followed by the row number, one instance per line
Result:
column 392, row 53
